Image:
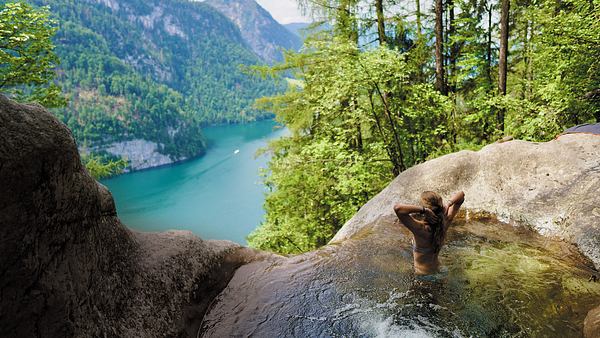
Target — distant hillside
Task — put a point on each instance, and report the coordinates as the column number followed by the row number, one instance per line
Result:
column 152, row 70
column 265, row 35
column 302, row 29
column 297, row 27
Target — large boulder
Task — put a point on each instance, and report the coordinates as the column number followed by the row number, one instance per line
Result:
column 68, row 267
column 552, row 187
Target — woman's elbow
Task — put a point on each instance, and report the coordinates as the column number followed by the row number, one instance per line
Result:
column 399, row 209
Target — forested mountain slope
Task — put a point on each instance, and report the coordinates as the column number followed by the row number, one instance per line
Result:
column 297, row 27
column 151, row 70
column 265, row 35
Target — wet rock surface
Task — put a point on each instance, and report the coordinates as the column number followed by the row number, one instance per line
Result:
column 497, row 281
column 591, row 327
column 68, row 267
column 548, row 187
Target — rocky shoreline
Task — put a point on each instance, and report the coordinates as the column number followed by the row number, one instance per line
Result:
column 139, row 154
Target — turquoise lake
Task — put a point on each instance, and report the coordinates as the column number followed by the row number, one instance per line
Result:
column 217, row 196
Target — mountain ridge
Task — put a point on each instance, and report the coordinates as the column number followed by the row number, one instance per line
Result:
column 297, row 27
column 262, row 32
column 152, row 71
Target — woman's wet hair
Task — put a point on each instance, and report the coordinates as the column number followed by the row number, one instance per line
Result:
column 434, row 201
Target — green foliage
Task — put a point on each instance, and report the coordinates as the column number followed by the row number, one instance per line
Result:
column 347, row 129
column 360, row 115
column 551, row 71
column 27, row 58
column 100, row 167
column 555, row 69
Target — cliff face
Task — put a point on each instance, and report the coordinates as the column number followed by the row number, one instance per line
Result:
column 265, row 35
column 68, row 267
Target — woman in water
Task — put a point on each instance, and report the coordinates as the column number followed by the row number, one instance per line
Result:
column 429, row 233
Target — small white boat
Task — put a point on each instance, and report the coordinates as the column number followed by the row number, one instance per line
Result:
column 236, row 151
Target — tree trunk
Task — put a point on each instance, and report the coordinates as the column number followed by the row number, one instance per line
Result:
column 530, row 61
column 380, row 21
column 489, row 48
column 525, row 73
column 502, row 63
column 388, row 148
column 418, row 14
column 359, row 138
column 421, row 45
column 439, row 46
column 453, row 51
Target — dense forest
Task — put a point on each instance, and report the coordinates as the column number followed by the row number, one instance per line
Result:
column 393, row 84
column 153, row 70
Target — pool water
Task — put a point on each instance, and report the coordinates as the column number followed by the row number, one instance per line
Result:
column 500, row 281
column 497, row 281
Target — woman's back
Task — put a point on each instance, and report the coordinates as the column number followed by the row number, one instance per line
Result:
column 429, row 233
column 425, row 255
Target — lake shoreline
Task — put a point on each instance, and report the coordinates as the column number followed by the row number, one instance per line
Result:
column 205, row 150
column 198, row 194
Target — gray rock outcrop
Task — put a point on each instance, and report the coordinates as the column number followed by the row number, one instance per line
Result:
column 68, row 267
column 139, row 154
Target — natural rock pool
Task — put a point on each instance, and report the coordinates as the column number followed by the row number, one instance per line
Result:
column 498, row 281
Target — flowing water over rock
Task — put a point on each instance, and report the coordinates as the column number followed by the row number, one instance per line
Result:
column 497, row 280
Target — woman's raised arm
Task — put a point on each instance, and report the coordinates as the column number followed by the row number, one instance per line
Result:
column 403, row 212
column 454, row 204
column 405, row 209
